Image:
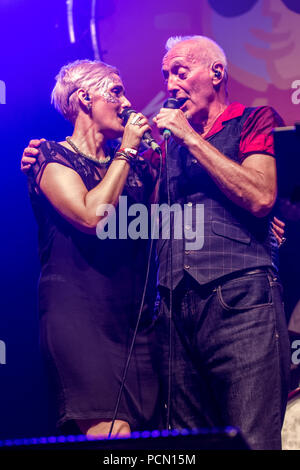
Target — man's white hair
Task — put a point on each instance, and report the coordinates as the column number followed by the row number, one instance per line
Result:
column 87, row 74
column 210, row 51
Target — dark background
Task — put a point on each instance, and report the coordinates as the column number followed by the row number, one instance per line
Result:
column 34, row 44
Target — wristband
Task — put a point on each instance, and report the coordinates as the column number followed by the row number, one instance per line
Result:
column 130, row 151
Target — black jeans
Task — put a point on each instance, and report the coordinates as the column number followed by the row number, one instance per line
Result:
column 230, row 356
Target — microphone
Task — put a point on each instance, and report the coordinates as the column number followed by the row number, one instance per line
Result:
column 147, row 137
column 172, row 103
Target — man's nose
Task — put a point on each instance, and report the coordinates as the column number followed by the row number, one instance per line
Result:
column 172, row 86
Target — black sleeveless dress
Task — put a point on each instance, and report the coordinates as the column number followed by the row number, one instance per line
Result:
column 89, row 295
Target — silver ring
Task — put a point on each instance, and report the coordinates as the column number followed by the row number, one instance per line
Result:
column 135, row 120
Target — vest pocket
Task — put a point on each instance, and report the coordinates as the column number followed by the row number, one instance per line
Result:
column 231, row 231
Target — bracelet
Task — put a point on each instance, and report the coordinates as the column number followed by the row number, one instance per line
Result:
column 130, row 151
column 125, row 156
column 122, row 157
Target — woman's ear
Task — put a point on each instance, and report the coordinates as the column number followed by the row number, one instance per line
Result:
column 84, row 98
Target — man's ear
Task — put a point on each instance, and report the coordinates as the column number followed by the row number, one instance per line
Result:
column 217, row 73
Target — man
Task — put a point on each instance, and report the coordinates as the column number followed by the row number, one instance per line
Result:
column 229, row 342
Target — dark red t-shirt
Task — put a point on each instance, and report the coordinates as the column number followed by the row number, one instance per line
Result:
column 256, row 136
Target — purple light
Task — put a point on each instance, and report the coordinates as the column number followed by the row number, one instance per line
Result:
column 134, row 435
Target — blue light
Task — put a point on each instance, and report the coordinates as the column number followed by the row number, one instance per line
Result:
column 231, row 432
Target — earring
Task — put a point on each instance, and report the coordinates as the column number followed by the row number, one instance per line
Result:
column 88, row 100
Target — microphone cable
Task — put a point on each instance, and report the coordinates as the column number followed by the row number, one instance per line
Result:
column 174, row 103
column 157, row 185
column 170, row 355
column 170, row 103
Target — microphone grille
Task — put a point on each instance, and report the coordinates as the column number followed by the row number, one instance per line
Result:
column 126, row 113
column 174, row 103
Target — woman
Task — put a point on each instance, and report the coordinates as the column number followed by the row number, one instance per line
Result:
column 90, row 289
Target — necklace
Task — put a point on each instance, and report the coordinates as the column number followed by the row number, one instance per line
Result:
column 104, row 162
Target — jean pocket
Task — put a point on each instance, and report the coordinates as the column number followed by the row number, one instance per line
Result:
column 244, row 293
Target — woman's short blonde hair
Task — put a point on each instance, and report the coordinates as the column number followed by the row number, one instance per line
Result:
column 87, row 74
